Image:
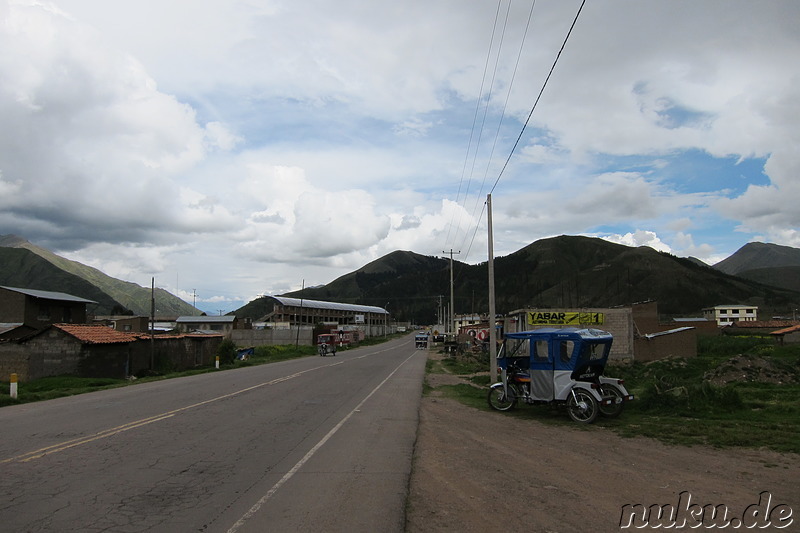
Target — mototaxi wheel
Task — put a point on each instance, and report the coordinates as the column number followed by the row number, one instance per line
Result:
column 582, row 406
column 615, row 409
column 500, row 400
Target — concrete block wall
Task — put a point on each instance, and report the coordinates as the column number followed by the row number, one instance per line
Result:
column 13, row 360
column 271, row 337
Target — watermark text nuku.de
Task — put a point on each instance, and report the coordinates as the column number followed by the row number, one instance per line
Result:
column 763, row 514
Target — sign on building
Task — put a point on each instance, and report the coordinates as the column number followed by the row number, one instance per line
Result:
column 359, row 319
column 561, row 318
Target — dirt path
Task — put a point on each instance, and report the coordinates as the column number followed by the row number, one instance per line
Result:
column 482, row 471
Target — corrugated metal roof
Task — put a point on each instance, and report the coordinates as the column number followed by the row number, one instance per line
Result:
column 215, row 319
column 49, row 295
column 316, row 304
column 668, row 332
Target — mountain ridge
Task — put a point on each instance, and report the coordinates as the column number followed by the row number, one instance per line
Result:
column 564, row 271
column 114, row 296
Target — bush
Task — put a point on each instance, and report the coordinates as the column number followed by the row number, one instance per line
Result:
column 226, row 352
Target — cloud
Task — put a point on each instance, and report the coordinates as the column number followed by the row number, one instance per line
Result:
column 267, row 143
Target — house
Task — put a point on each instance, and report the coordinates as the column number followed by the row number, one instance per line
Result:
column 95, row 350
column 211, row 324
column 790, row 335
column 725, row 315
column 25, row 311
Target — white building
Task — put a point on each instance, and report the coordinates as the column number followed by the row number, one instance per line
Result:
column 725, row 315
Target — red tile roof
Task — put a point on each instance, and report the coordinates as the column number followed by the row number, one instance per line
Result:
column 786, row 331
column 95, row 334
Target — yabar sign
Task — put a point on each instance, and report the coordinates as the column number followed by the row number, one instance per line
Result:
column 552, row 318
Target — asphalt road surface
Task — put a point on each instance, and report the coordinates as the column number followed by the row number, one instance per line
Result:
column 313, row 444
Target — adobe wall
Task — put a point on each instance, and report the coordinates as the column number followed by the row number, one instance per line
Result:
column 678, row 344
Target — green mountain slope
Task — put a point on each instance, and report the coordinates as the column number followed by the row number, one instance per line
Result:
column 758, row 255
column 565, row 271
column 786, row 277
column 18, row 267
column 129, row 295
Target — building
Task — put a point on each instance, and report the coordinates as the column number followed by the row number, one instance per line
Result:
column 209, row 324
column 26, row 311
column 725, row 315
column 296, row 312
column 638, row 333
column 95, row 350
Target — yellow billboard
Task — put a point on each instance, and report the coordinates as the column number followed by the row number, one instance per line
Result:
column 562, row 318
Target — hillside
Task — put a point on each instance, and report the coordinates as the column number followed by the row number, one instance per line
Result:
column 787, row 277
column 565, row 271
column 770, row 264
column 758, row 255
column 19, row 266
column 119, row 294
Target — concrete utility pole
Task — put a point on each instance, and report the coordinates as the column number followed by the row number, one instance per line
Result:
column 492, row 328
column 452, row 323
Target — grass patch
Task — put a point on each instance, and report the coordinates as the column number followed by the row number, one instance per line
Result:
column 59, row 386
column 676, row 403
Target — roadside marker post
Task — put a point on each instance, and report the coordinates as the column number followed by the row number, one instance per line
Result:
column 13, row 387
column 217, row 363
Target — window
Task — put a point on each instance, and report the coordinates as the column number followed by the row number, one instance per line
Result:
column 593, row 351
column 540, row 351
column 565, row 350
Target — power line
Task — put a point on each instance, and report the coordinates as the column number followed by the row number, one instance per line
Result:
column 475, row 120
column 541, row 91
column 499, row 126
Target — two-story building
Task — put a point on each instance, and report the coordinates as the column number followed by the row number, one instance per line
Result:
column 725, row 315
column 25, row 311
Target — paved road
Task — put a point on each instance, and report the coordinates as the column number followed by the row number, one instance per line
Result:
column 314, row 444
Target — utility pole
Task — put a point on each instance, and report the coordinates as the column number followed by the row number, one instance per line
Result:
column 492, row 328
column 297, row 334
column 152, row 322
column 452, row 323
column 194, row 299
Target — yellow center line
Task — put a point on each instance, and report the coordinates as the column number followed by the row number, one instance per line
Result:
column 61, row 446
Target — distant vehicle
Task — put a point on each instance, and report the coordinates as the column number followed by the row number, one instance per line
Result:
column 558, row 366
column 421, row 340
column 326, row 344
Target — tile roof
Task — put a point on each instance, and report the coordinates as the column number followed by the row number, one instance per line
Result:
column 95, row 334
column 786, row 331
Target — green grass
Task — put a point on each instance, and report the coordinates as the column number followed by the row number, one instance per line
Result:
column 676, row 405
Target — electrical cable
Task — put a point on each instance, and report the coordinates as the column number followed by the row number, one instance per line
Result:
column 541, row 91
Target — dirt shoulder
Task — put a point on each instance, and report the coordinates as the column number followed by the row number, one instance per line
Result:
column 478, row 471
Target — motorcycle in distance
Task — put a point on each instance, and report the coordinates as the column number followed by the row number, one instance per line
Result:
column 558, row 366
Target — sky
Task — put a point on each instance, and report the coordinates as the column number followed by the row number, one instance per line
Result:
column 229, row 149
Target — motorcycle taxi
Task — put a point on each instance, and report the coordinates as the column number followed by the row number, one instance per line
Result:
column 558, row 366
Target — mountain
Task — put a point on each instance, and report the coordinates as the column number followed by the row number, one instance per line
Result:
column 771, row 264
column 26, row 265
column 757, row 255
column 565, row 271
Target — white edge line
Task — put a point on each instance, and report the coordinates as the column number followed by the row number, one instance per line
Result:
column 286, row 477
